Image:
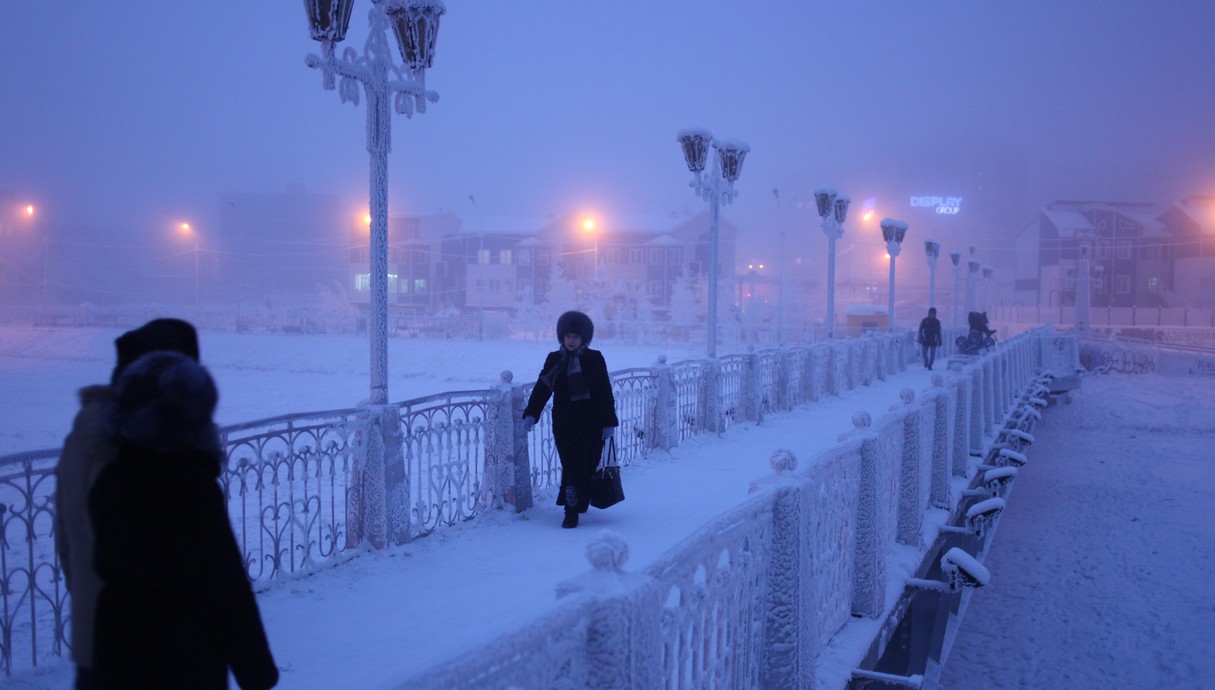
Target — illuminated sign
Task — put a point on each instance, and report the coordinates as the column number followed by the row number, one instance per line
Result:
column 944, row 205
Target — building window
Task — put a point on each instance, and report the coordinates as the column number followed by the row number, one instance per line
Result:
column 674, row 256
column 655, row 288
column 635, row 256
column 655, row 257
column 419, row 286
column 482, row 256
column 613, row 255
column 362, row 282
column 504, row 257
column 1103, row 250
column 495, row 285
column 1153, row 284
column 525, row 257
column 1122, row 284
column 1123, row 249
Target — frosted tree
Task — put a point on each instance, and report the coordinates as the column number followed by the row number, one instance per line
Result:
column 562, row 296
column 687, row 302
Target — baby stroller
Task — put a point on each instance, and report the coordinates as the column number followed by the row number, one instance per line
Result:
column 980, row 336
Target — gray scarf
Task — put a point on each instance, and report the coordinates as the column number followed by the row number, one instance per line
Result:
column 572, row 362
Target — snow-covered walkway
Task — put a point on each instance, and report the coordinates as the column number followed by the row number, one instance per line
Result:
column 412, row 606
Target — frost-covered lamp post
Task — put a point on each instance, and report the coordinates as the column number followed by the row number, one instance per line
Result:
column 715, row 187
column 893, row 231
column 833, row 210
column 987, row 271
column 415, row 24
column 956, row 258
column 972, row 275
column 1084, row 284
column 932, row 249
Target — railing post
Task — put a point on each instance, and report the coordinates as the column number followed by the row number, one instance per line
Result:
column 507, row 463
column 874, row 506
column 378, row 509
column 625, row 621
column 789, row 643
column 942, row 450
column 710, row 396
column 911, row 475
column 752, row 398
column 666, row 428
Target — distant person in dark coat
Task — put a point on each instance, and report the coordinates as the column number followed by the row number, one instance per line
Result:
column 584, row 409
column 175, row 609
column 86, row 451
column 929, row 337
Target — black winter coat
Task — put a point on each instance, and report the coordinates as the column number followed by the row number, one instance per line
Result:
column 176, row 609
column 930, row 331
column 577, row 425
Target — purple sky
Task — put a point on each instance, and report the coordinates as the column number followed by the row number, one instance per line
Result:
column 125, row 117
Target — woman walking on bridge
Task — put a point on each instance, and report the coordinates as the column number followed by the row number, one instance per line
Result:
column 584, row 409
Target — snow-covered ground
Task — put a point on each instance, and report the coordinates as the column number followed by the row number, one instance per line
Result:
column 1101, row 568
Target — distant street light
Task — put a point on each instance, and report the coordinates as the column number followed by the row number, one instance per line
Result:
column 415, row 24
column 187, row 230
column 956, row 259
column 972, row 265
column 893, row 231
column 716, row 187
column 833, row 210
column 932, row 249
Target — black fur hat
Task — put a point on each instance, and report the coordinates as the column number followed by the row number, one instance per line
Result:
column 576, row 322
column 173, row 335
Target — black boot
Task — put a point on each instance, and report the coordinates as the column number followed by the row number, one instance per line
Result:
column 571, row 518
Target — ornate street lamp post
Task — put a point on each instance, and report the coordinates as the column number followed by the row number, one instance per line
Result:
column 833, row 210
column 987, row 270
column 893, row 231
column 932, row 249
column 716, row 187
column 972, row 274
column 956, row 259
column 415, row 24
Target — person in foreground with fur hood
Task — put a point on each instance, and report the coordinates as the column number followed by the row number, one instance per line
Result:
column 584, row 409
column 175, row 608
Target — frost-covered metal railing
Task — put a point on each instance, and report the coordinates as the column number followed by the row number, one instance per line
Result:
column 33, row 597
column 303, row 489
column 287, row 482
column 444, row 443
column 753, row 597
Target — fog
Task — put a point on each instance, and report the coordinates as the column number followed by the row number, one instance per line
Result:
column 121, row 120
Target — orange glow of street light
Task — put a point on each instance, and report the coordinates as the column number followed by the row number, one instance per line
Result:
column 588, row 224
column 867, row 216
column 29, row 210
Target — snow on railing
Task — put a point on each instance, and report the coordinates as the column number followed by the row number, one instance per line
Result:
column 753, row 597
column 303, row 489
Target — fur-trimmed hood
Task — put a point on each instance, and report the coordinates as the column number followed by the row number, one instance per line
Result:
column 164, row 400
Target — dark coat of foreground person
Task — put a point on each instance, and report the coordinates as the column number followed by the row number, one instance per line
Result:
column 176, row 609
column 584, row 409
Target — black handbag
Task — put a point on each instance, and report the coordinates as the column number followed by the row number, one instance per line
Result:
column 606, row 490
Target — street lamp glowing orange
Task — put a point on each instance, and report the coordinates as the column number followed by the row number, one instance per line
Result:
column 867, row 215
column 588, row 224
column 29, row 210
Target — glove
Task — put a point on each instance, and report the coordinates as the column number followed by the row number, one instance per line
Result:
column 608, row 432
column 528, row 423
